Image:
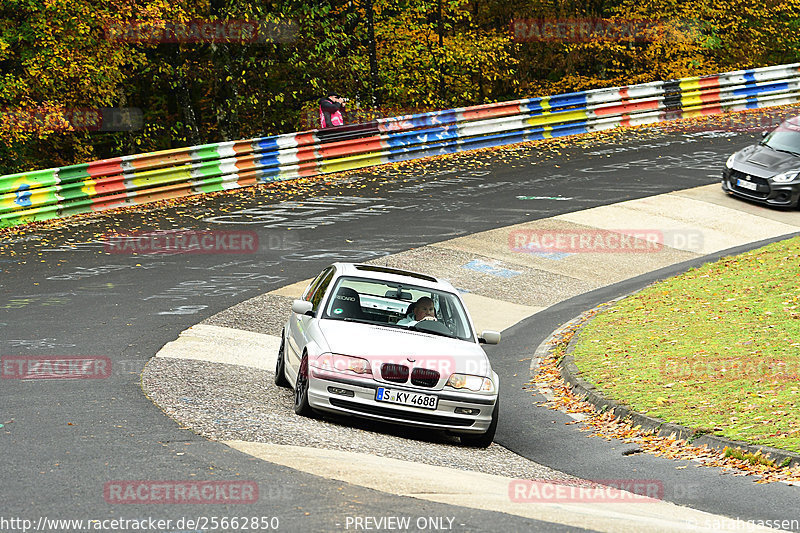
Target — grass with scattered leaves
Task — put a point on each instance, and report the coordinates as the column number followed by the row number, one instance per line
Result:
column 716, row 349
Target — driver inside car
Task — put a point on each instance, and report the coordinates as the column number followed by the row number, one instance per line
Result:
column 422, row 309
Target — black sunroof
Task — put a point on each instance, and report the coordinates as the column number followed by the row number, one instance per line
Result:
column 397, row 271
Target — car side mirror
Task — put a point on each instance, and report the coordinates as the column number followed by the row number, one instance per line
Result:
column 764, row 134
column 303, row 307
column 489, row 337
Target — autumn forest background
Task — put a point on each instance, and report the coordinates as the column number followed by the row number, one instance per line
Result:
column 389, row 56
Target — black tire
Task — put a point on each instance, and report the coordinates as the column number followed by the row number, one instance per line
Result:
column 301, row 405
column 485, row 439
column 280, row 367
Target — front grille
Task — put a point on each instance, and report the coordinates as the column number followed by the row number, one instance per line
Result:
column 410, row 416
column 763, row 184
column 394, row 373
column 424, row 377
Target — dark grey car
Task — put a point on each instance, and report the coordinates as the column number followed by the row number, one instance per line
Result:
column 767, row 172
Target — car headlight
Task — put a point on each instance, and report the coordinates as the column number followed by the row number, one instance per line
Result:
column 785, row 177
column 729, row 162
column 343, row 363
column 473, row 383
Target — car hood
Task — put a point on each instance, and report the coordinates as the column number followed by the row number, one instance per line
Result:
column 762, row 161
column 387, row 344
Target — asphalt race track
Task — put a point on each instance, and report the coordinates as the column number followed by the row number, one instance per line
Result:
column 63, row 292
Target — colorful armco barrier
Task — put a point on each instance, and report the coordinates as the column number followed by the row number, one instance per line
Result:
column 141, row 178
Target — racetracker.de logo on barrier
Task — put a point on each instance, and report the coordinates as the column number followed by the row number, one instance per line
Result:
column 180, row 492
column 182, row 242
column 54, row 367
column 586, row 491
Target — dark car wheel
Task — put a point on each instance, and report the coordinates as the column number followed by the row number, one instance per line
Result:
column 301, row 405
column 280, row 367
column 485, row 439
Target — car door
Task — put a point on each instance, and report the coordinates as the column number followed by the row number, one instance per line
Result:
column 299, row 325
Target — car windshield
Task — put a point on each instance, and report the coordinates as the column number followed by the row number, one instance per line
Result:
column 392, row 304
column 785, row 138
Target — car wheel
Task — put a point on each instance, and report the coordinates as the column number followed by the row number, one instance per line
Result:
column 301, row 405
column 280, row 367
column 485, row 439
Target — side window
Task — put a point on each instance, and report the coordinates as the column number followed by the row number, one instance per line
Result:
column 316, row 296
column 313, row 285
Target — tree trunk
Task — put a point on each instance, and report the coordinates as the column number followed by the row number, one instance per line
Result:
column 184, row 98
column 439, row 30
column 373, row 57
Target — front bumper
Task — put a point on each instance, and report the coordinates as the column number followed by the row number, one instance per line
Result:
column 363, row 404
column 768, row 193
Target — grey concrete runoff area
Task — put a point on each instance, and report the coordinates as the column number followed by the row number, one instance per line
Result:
column 216, row 377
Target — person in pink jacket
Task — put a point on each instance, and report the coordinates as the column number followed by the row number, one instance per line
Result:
column 330, row 110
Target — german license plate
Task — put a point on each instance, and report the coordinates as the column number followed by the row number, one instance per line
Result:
column 747, row 185
column 426, row 401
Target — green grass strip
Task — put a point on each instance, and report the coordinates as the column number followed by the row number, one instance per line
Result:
column 716, row 349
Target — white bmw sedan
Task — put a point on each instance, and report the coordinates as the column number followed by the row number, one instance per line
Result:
column 390, row 345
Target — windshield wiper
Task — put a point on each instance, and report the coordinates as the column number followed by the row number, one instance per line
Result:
column 781, row 150
column 370, row 322
column 359, row 320
column 433, row 332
